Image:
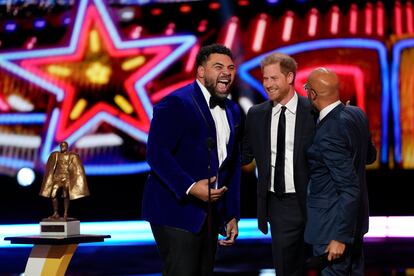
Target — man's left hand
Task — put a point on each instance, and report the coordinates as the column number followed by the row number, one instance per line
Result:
column 335, row 249
column 232, row 231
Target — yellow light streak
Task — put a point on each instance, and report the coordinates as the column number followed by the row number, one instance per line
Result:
column 94, row 43
column 78, row 109
column 59, row 70
column 123, row 104
column 133, row 63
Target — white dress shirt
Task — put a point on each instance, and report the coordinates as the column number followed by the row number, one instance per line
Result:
column 222, row 128
column 327, row 109
column 290, row 115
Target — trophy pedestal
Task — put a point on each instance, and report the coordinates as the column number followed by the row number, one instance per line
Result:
column 59, row 228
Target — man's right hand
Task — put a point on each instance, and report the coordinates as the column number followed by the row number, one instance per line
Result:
column 200, row 190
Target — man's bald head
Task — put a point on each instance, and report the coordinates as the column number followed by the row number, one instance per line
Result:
column 322, row 87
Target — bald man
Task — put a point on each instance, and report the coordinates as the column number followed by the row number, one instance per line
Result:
column 337, row 202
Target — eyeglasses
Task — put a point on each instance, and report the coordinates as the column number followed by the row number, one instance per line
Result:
column 308, row 88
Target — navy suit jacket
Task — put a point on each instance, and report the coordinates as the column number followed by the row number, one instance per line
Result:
column 178, row 156
column 337, row 200
column 256, row 145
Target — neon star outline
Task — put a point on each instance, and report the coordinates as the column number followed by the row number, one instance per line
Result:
column 7, row 61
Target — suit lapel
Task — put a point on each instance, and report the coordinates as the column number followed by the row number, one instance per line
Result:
column 230, row 120
column 299, row 121
column 267, row 126
column 202, row 104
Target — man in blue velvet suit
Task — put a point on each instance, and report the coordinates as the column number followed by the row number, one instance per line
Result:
column 337, row 200
column 278, row 133
column 193, row 128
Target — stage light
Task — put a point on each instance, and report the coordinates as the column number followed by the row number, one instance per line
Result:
column 398, row 18
column 409, row 13
column 25, row 177
column 380, row 18
column 98, row 73
column 20, row 104
column 313, row 22
column 39, row 24
column 335, row 20
column 156, row 12
column 10, row 27
column 287, row 26
column 272, row 1
column 259, row 34
column 231, row 32
column 18, row 140
column 267, row 272
column 99, row 140
column 214, row 6
column 243, row 3
column 59, row 70
column 170, row 29
column 127, row 14
column 185, row 8
column 94, row 45
column 368, row 19
column 191, row 58
column 78, row 109
column 353, row 19
column 135, row 32
column 123, row 104
column 138, row 232
column 31, row 43
column 66, row 20
column 202, row 26
column 133, row 63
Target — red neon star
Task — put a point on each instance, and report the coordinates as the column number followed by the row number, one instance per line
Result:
column 98, row 78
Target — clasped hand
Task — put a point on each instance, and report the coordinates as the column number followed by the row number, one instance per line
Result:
column 200, row 190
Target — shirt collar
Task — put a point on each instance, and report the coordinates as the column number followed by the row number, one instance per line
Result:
column 291, row 105
column 204, row 90
column 327, row 109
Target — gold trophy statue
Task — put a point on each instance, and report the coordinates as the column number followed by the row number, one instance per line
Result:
column 64, row 174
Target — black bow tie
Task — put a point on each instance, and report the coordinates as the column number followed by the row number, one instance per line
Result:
column 214, row 101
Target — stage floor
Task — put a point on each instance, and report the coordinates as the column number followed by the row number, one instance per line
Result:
column 386, row 256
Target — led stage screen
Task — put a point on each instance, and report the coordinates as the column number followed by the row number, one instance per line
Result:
column 90, row 71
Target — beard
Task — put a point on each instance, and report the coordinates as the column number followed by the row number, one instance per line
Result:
column 211, row 86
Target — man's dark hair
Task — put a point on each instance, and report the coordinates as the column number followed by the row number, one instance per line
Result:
column 206, row 51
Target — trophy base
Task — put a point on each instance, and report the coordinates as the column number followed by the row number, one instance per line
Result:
column 60, row 228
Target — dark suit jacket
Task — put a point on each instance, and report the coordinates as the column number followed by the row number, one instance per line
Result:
column 256, row 145
column 338, row 197
column 178, row 156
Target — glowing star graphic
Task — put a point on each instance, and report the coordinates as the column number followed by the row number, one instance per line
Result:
column 98, row 78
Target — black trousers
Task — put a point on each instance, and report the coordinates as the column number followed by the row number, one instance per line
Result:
column 185, row 253
column 287, row 226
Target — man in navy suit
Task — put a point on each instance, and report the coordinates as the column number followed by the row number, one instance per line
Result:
column 337, row 200
column 281, row 187
column 194, row 128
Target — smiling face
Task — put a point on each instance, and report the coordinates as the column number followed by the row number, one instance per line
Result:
column 217, row 74
column 279, row 87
